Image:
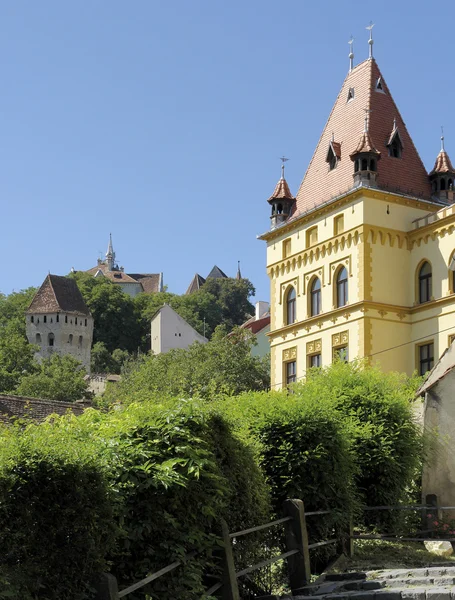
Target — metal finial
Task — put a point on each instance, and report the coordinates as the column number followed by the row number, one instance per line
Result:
column 283, row 160
column 333, row 136
column 394, row 123
column 370, row 41
column 351, row 53
column 442, row 139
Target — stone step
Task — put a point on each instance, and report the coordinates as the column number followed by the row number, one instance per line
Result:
column 411, row 593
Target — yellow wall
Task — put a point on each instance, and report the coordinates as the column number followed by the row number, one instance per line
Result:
column 382, row 246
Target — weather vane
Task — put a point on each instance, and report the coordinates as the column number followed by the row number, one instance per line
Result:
column 283, row 160
column 370, row 41
column 351, row 53
column 442, row 138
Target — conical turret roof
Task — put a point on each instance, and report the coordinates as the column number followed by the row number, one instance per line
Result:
column 281, row 191
column 443, row 164
column 365, row 145
column 364, row 89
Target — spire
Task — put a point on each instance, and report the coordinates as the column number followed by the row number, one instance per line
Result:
column 239, row 274
column 442, row 138
column 351, row 53
column 370, row 41
column 281, row 200
column 283, row 160
column 110, row 254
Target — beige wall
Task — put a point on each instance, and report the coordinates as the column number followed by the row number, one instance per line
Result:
column 169, row 330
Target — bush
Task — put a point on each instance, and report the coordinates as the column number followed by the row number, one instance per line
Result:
column 55, row 513
column 165, row 475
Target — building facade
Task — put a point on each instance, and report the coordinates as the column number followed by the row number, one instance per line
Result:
column 169, row 331
column 360, row 260
column 130, row 283
column 58, row 321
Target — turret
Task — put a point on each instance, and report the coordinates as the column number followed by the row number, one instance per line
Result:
column 365, row 158
column 442, row 176
column 281, row 200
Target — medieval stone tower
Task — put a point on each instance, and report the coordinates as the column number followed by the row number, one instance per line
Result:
column 58, row 320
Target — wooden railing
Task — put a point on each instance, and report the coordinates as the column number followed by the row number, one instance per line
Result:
column 297, row 549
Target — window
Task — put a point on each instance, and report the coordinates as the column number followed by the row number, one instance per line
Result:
column 350, row 95
column 379, row 86
column 425, row 287
column 75, row 321
column 44, row 319
column 32, row 319
column 341, row 353
column 426, row 358
column 291, row 372
column 338, row 225
column 290, row 307
column 50, row 339
column 70, row 339
column 315, row 297
column 342, row 287
column 86, row 322
column 331, row 159
column 38, row 338
column 314, row 361
column 395, row 147
column 312, row 236
column 57, row 318
column 80, row 341
column 287, row 248
column 66, row 318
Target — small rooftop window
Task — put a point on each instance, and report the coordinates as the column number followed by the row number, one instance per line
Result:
column 333, row 154
column 350, row 95
column 379, row 86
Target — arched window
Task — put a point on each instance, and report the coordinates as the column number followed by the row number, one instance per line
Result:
column 66, row 318
column 342, row 287
column 364, row 164
column 372, row 165
column 70, row 339
column 452, row 273
column 290, row 307
column 38, row 338
column 425, row 291
column 31, row 319
column 315, row 297
column 50, row 339
column 443, row 184
column 80, row 341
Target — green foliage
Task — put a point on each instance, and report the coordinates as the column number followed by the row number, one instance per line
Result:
column 103, row 361
column 165, row 475
column 386, row 442
column 222, row 366
column 55, row 513
column 55, row 378
column 113, row 311
column 16, row 354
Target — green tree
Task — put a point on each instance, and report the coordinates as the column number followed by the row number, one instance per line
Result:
column 103, row 361
column 16, row 354
column 113, row 311
column 56, row 378
column 222, row 366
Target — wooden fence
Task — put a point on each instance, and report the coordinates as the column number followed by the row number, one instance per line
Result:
column 297, row 549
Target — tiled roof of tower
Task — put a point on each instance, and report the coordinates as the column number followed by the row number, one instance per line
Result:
column 217, row 273
column 442, row 164
column 196, row 283
column 58, row 294
column 365, row 145
column 406, row 174
column 281, row 191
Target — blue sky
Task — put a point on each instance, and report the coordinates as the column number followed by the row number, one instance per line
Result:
column 163, row 122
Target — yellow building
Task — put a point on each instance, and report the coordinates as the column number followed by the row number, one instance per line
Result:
column 359, row 260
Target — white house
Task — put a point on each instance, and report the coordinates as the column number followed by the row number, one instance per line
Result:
column 169, row 330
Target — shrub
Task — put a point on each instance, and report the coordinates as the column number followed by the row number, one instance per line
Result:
column 55, row 514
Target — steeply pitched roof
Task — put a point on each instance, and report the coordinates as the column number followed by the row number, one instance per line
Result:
column 151, row 282
column 346, row 121
column 365, row 145
column 281, row 191
column 217, row 273
column 58, row 294
column 116, row 276
column 196, row 283
column 442, row 164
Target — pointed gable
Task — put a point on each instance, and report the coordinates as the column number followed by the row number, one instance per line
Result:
column 281, row 191
column 217, row 273
column 58, row 294
column 196, row 283
column 406, row 174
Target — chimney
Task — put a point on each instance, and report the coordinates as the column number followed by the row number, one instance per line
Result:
column 261, row 308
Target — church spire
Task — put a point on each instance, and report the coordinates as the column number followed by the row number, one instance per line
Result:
column 110, row 254
column 239, row 274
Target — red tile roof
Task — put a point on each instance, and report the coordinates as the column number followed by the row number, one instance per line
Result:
column 256, row 325
column 365, row 145
column 114, row 276
column 281, row 191
column 442, row 164
column 406, row 174
column 58, row 294
column 150, row 282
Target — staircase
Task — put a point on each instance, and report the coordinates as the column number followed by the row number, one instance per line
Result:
column 433, row 583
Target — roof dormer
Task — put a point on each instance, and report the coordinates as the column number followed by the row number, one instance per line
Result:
column 395, row 143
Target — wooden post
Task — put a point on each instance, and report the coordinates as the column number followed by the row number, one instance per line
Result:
column 350, row 541
column 431, row 514
column 297, row 539
column 106, row 587
column 230, row 588
column 345, row 543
